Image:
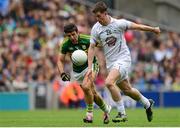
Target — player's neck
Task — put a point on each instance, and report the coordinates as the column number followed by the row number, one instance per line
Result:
column 108, row 20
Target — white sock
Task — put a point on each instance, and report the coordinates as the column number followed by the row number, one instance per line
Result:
column 144, row 101
column 120, row 107
column 89, row 114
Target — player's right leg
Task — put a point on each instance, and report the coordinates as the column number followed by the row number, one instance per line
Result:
column 116, row 96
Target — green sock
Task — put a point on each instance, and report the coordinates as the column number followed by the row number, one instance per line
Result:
column 103, row 107
column 89, row 108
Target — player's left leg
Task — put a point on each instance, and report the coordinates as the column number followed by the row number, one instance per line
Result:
column 85, row 83
column 89, row 99
column 126, row 87
column 97, row 98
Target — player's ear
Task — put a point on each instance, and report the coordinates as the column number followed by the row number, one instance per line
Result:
column 77, row 32
column 64, row 34
column 106, row 13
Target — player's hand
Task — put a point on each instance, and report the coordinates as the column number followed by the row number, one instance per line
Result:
column 65, row 76
column 157, row 30
column 89, row 73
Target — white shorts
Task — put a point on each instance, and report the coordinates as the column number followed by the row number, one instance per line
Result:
column 79, row 77
column 123, row 66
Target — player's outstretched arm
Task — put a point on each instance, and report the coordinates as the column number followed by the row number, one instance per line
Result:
column 142, row 27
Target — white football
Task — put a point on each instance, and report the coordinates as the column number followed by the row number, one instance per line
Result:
column 79, row 57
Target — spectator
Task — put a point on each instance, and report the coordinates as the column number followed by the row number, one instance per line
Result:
column 72, row 95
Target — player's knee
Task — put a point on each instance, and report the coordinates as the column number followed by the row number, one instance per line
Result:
column 94, row 92
column 86, row 89
column 127, row 91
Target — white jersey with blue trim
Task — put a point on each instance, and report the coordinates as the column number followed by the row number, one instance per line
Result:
column 111, row 37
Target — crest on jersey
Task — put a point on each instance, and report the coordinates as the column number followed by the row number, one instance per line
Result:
column 83, row 47
column 108, row 32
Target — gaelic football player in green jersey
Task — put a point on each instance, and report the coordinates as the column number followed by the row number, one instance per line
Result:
column 75, row 41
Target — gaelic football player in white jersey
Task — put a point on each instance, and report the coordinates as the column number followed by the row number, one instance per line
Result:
column 109, row 32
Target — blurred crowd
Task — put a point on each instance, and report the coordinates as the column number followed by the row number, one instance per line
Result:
column 30, row 34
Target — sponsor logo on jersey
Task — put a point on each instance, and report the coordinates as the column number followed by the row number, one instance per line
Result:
column 111, row 41
column 71, row 48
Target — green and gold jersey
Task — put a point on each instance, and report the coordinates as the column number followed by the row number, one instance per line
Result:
column 68, row 47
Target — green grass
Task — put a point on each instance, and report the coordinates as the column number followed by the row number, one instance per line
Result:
column 73, row 118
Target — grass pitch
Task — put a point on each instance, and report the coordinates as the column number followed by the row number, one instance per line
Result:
column 168, row 117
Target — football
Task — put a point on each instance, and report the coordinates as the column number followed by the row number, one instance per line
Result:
column 79, row 57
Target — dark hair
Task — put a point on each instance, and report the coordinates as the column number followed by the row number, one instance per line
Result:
column 99, row 7
column 70, row 28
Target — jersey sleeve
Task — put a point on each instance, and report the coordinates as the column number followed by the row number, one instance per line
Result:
column 63, row 48
column 123, row 24
column 94, row 36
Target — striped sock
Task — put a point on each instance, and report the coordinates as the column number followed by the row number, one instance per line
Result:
column 89, row 108
column 103, row 107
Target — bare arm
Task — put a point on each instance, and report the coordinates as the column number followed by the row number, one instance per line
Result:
column 60, row 63
column 101, row 61
column 91, row 54
column 135, row 26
